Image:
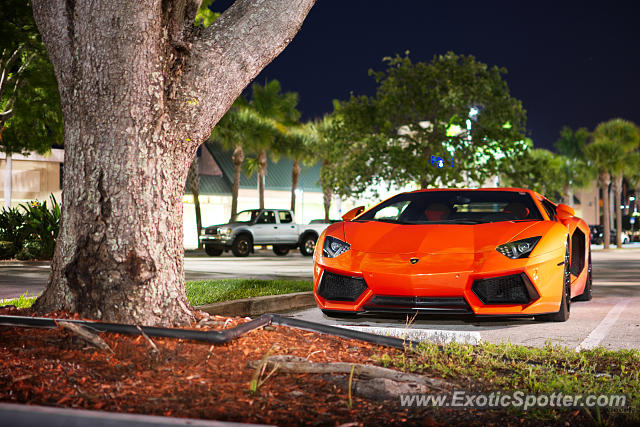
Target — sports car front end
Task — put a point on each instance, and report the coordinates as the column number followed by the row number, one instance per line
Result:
column 499, row 265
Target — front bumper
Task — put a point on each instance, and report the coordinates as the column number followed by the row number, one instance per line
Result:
column 485, row 283
column 216, row 240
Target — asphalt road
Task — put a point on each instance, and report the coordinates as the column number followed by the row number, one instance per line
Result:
column 611, row 319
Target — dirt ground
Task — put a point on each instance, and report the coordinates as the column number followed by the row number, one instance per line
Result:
column 54, row 367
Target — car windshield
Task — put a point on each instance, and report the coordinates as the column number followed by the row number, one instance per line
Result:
column 246, row 216
column 455, row 207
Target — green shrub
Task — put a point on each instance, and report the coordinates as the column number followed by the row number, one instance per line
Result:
column 42, row 226
column 7, row 249
column 12, row 227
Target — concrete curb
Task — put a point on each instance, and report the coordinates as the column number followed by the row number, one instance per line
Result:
column 18, row 415
column 436, row 336
column 260, row 305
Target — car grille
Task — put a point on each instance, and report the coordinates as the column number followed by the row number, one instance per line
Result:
column 211, row 231
column 336, row 287
column 449, row 305
column 513, row 289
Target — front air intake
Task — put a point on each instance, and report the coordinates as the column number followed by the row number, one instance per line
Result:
column 513, row 289
column 336, row 287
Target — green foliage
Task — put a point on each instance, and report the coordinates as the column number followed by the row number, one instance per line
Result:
column 425, row 109
column 30, row 113
column 23, row 301
column 613, row 143
column 12, row 226
column 32, row 230
column 205, row 16
column 42, row 227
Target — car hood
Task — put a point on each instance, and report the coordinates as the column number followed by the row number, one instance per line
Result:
column 388, row 238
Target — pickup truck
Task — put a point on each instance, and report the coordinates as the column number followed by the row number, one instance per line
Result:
column 261, row 227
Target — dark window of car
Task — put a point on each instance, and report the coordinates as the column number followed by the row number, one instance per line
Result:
column 455, row 206
column 267, row 217
column 550, row 208
column 285, row 217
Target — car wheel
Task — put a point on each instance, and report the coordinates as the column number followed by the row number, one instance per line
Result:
column 625, row 241
column 565, row 303
column 213, row 250
column 337, row 314
column 586, row 294
column 280, row 250
column 308, row 245
column 241, row 246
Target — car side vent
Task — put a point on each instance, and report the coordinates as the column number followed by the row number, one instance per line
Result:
column 336, row 287
column 577, row 252
column 513, row 289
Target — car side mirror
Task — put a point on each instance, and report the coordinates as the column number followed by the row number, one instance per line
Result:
column 353, row 213
column 565, row 212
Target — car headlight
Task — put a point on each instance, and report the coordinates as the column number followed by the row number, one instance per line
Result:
column 227, row 231
column 519, row 248
column 334, row 247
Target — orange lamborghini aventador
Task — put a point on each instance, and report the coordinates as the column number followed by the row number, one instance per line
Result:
column 500, row 251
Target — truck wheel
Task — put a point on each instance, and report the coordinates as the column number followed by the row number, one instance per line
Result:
column 308, row 244
column 241, row 246
column 213, row 250
column 280, row 250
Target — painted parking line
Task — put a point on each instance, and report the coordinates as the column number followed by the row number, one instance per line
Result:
column 600, row 332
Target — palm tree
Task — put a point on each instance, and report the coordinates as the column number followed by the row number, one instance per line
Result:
column 574, row 171
column 280, row 108
column 613, row 142
column 325, row 150
column 241, row 129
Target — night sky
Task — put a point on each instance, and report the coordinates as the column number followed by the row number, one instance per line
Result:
column 570, row 63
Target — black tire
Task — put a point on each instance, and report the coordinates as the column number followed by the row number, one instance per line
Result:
column 241, row 246
column 587, row 294
column 308, row 244
column 565, row 303
column 213, row 250
column 280, row 250
column 336, row 314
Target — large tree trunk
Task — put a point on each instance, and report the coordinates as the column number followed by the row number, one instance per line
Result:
column 295, row 175
column 262, row 172
column 193, row 183
column 8, row 167
column 617, row 193
column 605, row 180
column 238, row 158
column 141, row 89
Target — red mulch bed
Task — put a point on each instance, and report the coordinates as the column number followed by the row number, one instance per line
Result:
column 54, row 367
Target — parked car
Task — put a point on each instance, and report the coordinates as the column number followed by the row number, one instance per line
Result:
column 597, row 235
column 484, row 252
column 261, row 227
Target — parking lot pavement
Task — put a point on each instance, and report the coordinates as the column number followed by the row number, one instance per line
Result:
column 611, row 319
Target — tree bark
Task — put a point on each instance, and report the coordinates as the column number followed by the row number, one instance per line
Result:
column 617, row 192
column 295, row 175
column 605, row 180
column 238, row 158
column 141, row 89
column 327, row 193
column 8, row 189
column 262, row 172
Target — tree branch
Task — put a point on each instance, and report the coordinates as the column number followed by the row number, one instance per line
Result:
column 56, row 27
column 226, row 56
